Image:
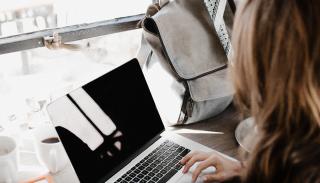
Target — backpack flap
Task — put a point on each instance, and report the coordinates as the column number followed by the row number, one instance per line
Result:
column 210, row 87
column 192, row 47
column 189, row 38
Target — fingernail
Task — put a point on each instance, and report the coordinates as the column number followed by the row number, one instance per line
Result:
column 205, row 179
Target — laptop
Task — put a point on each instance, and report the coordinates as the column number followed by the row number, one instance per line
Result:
column 112, row 132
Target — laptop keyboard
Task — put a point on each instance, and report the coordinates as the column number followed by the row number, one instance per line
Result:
column 158, row 166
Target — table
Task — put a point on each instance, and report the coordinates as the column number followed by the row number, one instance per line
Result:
column 216, row 133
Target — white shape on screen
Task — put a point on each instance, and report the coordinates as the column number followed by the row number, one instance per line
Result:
column 65, row 114
column 118, row 145
column 93, row 111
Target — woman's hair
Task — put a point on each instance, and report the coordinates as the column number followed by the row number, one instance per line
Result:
column 276, row 75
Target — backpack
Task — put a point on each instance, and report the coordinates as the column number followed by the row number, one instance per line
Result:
column 185, row 61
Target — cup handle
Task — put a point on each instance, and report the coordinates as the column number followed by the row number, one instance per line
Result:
column 53, row 160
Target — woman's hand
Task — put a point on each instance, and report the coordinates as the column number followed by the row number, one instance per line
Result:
column 226, row 168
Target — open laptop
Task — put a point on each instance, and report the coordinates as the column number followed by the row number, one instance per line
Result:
column 112, row 132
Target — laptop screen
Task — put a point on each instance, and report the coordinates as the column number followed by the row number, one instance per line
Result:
column 106, row 121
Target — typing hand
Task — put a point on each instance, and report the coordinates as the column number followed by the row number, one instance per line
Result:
column 226, row 168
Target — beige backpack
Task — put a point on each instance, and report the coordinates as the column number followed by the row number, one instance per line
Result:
column 184, row 60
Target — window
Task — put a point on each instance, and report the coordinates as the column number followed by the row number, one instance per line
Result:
column 31, row 75
column 20, row 16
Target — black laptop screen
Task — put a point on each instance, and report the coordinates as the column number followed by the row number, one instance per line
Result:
column 104, row 122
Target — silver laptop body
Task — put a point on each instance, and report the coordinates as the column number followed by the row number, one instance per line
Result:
column 112, row 132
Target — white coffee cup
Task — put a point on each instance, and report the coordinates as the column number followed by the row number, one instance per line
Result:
column 49, row 148
column 8, row 160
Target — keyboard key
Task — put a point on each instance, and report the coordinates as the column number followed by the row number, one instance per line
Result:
column 175, row 154
column 178, row 166
column 137, row 171
column 155, row 179
column 167, row 168
column 180, row 149
column 167, row 176
column 157, row 161
column 169, row 143
column 184, row 152
column 153, row 165
column 148, row 169
column 140, row 176
column 160, row 151
column 172, row 164
column 175, row 161
column 171, row 157
column 155, row 170
column 163, row 171
column 166, row 161
column 151, row 174
column 147, row 177
column 176, row 146
column 149, row 161
column 135, row 180
column 159, row 175
column 133, row 168
column 163, row 164
column 159, row 167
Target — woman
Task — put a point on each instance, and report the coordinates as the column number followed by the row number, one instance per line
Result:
column 276, row 76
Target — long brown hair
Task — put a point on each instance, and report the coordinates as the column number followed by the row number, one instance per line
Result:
column 276, row 75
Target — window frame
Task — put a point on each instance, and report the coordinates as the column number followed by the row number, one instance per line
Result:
column 26, row 41
column 71, row 33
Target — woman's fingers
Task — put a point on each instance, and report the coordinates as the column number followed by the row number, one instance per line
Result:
column 192, row 159
column 226, row 168
column 185, row 159
column 203, row 165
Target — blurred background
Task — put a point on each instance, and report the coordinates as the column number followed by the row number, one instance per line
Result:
column 30, row 79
